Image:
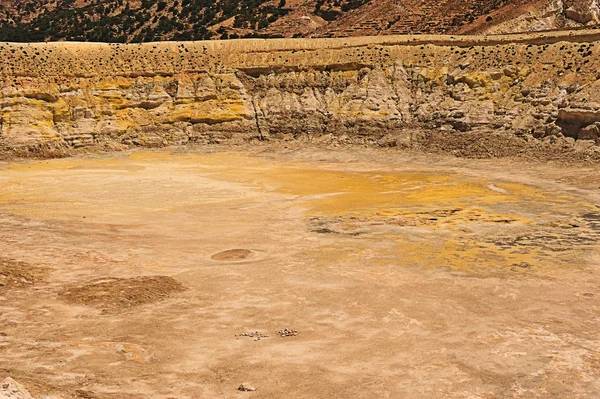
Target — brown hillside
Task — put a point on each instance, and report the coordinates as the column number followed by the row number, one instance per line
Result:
column 145, row 20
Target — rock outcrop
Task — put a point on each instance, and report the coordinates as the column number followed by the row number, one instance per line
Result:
column 541, row 16
column 64, row 96
column 582, row 11
column 11, row 389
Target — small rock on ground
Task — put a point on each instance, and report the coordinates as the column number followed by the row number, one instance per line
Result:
column 246, row 387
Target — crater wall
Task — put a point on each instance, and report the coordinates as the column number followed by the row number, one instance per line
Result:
column 65, row 96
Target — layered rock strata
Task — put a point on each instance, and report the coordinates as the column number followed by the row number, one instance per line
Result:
column 61, row 96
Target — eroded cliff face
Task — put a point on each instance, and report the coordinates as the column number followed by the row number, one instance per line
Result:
column 62, row 96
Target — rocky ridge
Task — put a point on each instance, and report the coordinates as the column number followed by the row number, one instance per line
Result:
column 56, row 98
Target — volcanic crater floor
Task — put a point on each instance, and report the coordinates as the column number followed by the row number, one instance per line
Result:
column 151, row 274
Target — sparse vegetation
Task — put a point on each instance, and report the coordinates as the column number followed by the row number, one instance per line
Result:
column 332, row 9
column 118, row 21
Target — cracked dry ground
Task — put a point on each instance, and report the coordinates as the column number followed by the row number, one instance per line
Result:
column 173, row 275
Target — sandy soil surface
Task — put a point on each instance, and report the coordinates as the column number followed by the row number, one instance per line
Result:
column 304, row 273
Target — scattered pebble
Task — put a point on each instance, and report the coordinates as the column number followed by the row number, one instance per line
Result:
column 288, row 333
column 257, row 335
